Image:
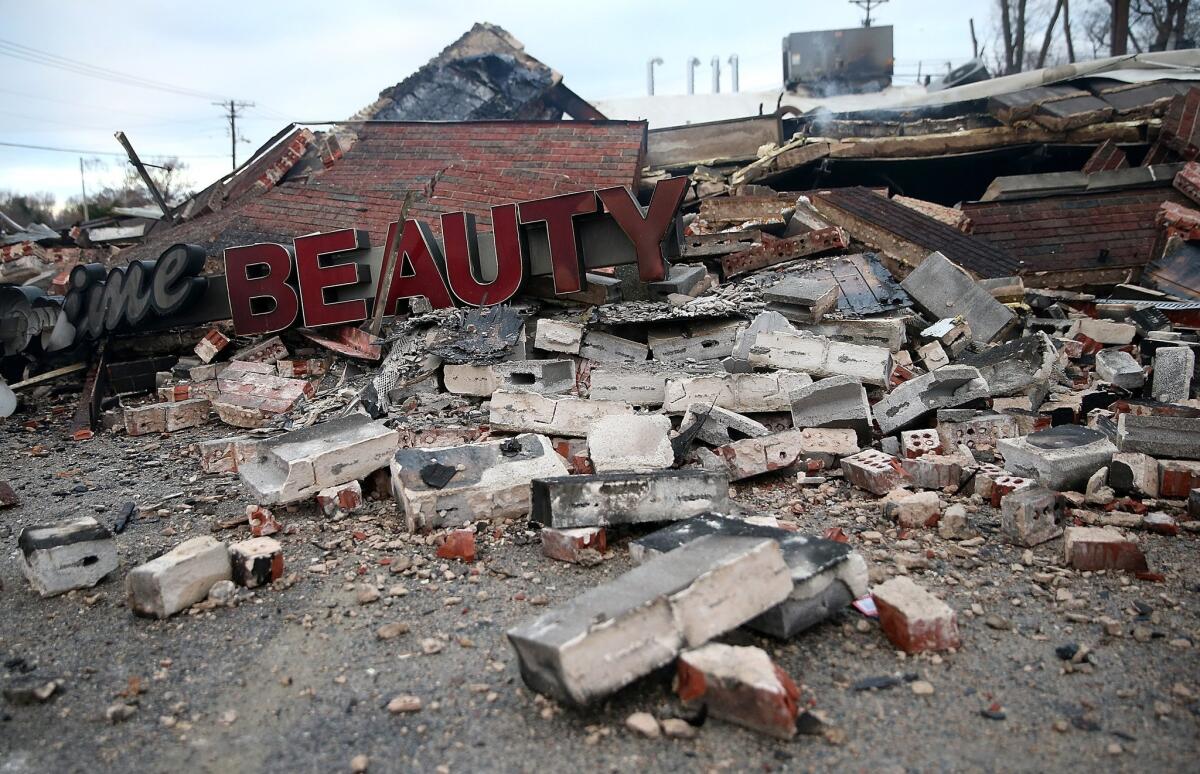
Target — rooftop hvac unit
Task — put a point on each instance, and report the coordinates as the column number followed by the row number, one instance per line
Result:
column 857, row 59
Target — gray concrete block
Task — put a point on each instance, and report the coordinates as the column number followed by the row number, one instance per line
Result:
column 839, row 401
column 606, row 348
column 749, row 393
column 721, row 426
column 1118, row 368
column 627, row 498
column 1163, row 437
column 615, row 633
column 680, row 343
column 634, row 442
column 821, row 357
column 947, row 387
column 1060, row 458
column 514, row 411
column 1173, row 367
column 682, row 279
column 546, row 377
column 802, row 299
column 945, row 290
column 73, row 554
column 179, row 578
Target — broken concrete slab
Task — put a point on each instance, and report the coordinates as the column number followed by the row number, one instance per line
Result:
column 179, row 578
column 838, row 401
column 1118, row 368
column 813, row 448
column 66, row 555
column 634, row 442
column 945, row 290
column 297, row 465
column 1165, row 437
column 741, row 685
column 558, row 336
column 1173, row 369
column 489, row 480
column 615, row 633
column 826, row 575
column 627, row 498
column 913, row 619
column 1024, row 366
column 478, row 381
column 528, row 412
column 1061, row 458
column 744, row 393
column 948, row 387
column 821, row 357
column 720, row 426
column 739, row 361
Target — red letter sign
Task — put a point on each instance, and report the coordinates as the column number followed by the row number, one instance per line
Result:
column 559, row 213
column 272, row 286
column 647, row 233
column 315, row 279
column 462, row 257
column 420, row 249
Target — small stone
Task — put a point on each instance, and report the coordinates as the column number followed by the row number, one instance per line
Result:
column 404, row 703
column 222, row 592
column 391, row 630
column 1114, row 748
column 359, row 764
column 921, row 687
column 120, row 712
column 643, row 724
column 996, row 622
column 367, row 594
column 431, row 645
column 678, row 728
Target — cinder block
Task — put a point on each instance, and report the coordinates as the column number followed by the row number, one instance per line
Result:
column 66, row 555
column 720, row 426
column 558, row 336
column 945, row 290
column 1061, row 458
column 486, row 480
column 682, row 280
column 179, row 578
column 839, row 401
column 947, row 387
column 297, row 465
column 1118, row 368
column 1165, row 437
column 913, row 619
column 635, row 442
column 821, row 357
column 606, row 348
column 1031, row 516
column 527, row 412
column 628, row 498
column 478, row 381
column 1108, row 331
column 256, row 562
column 740, row 685
column 744, row 393
column 615, row 633
column 873, row 471
column 581, row 545
column 802, row 299
column 680, row 343
column 1173, row 368
column 1101, row 548
column 639, row 385
column 933, row 356
column 546, row 377
column 739, row 361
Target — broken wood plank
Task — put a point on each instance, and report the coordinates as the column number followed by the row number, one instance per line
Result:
column 33, row 381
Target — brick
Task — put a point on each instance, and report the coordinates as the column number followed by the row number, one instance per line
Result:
column 558, row 336
column 1177, row 478
column 1108, row 331
column 300, row 369
column 179, row 578
column 617, row 632
column 784, row 450
column 913, row 509
column 213, row 344
column 492, row 480
column 820, row 357
column 839, row 401
column 873, row 471
column 256, row 562
column 146, row 420
column 745, row 393
column 740, row 685
column 581, row 545
column 223, row 455
column 634, row 442
column 187, row 413
column 457, row 544
column 1031, row 516
column 914, row 443
column 1173, row 368
column 913, row 619
column 66, row 555
column 937, row 471
column 340, row 501
column 297, row 465
column 266, row 351
column 1101, row 548
column 528, row 412
column 978, row 431
column 603, row 499
column 261, row 521
column 8, row 498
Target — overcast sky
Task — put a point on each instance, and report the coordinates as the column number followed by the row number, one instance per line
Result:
column 313, row 61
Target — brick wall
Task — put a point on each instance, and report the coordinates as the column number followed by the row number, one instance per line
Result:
column 1067, row 233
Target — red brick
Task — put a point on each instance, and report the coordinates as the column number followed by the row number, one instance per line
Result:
column 584, row 545
column 1100, row 548
column 458, row 544
column 262, row 521
column 913, row 619
column 740, row 685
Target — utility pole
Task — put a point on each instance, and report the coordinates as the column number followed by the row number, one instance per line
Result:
column 83, row 189
column 231, row 107
column 867, row 5
column 1120, row 27
column 149, row 181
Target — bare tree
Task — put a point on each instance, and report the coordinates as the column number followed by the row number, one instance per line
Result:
column 1154, row 25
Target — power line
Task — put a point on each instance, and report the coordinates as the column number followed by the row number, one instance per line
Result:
column 110, row 153
column 35, row 56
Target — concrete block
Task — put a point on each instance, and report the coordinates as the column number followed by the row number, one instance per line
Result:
column 606, row 348
column 256, row 562
column 641, row 386
column 1118, row 368
column 582, row 545
column 721, row 426
column 297, row 465
column 1061, row 458
column 821, row 357
column 1031, row 516
column 1160, row 436
column 913, row 619
column 179, row 578
column 746, row 393
column 546, row 377
column 887, row 332
column 1177, row 478
column 739, row 361
column 1024, row 367
column 558, row 336
column 839, row 401
column 802, row 299
column 66, row 555
column 628, row 498
column 1173, row 367
column 740, row 685
column 478, row 381
column 527, row 412
column 615, row 633
column 682, row 280
column 947, row 387
column 933, row 356
column 1133, row 473
column 490, row 480
column 944, row 290
column 634, row 442
column 697, row 341
column 826, row 575
column 1108, row 332
column 1101, row 548
column 873, row 471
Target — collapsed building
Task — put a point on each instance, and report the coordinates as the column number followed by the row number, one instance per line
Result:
column 989, row 299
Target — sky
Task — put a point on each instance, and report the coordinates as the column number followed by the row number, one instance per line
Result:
column 321, row 61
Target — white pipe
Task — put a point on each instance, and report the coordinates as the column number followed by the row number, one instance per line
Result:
column 692, row 64
column 716, row 72
column 657, row 60
column 733, row 72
